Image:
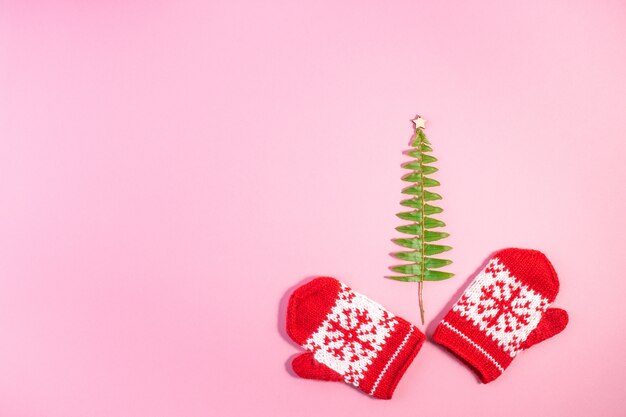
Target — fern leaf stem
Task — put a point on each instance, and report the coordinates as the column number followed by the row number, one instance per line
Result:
column 421, row 291
column 421, row 282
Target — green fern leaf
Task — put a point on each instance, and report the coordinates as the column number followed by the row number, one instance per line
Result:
column 412, row 229
column 414, row 190
column 436, row 263
column 406, row 278
column 430, row 275
column 409, row 269
column 428, row 169
column 430, row 223
column 422, row 265
column 435, row 249
column 428, row 209
column 434, row 236
column 417, row 166
column 413, row 202
column 430, row 196
column 416, row 257
column 428, row 159
column 414, row 215
column 429, row 182
column 413, row 243
column 412, row 177
column 410, row 256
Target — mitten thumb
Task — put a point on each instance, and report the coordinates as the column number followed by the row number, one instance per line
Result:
column 552, row 323
column 305, row 366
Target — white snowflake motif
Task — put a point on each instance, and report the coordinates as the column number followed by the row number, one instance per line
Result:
column 352, row 335
column 504, row 308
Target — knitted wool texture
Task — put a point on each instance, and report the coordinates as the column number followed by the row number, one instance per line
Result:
column 503, row 311
column 349, row 337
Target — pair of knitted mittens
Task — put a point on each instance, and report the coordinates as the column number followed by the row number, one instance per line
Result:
column 352, row 338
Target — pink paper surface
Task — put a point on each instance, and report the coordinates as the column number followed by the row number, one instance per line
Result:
column 170, row 171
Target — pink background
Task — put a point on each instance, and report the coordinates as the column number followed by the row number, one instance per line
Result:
column 169, row 171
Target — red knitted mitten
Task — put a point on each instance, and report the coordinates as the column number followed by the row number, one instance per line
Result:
column 349, row 337
column 504, row 311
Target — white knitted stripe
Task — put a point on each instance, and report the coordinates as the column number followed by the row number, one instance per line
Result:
column 471, row 342
column 393, row 358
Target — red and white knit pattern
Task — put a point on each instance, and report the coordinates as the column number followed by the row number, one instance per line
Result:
column 502, row 307
column 349, row 337
column 352, row 335
column 504, row 311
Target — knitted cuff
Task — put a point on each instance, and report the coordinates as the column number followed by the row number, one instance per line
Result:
column 472, row 346
column 393, row 360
